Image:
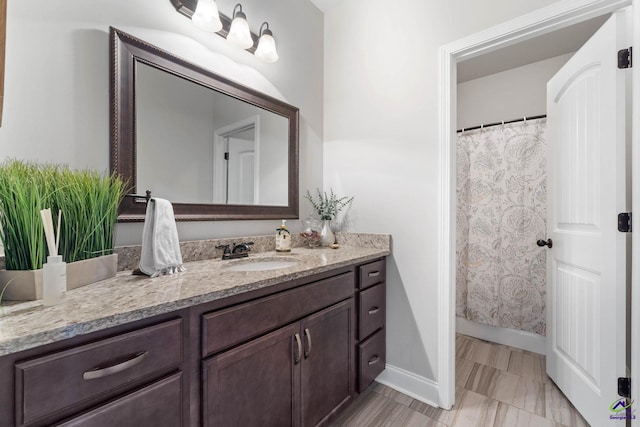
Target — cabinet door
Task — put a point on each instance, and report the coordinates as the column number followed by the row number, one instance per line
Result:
column 328, row 362
column 255, row 384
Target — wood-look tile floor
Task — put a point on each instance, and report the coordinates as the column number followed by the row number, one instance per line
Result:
column 496, row 386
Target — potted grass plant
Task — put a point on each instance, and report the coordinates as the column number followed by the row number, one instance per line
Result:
column 89, row 204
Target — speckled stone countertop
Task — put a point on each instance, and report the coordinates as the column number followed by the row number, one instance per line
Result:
column 127, row 298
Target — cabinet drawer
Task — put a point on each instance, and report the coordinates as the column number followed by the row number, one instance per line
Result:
column 226, row 328
column 372, row 359
column 60, row 380
column 372, row 274
column 372, row 310
column 158, row 405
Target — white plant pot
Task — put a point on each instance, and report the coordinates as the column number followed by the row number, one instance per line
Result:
column 26, row 285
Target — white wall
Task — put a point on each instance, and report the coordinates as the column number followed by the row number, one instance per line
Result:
column 381, row 145
column 56, row 105
column 512, row 94
column 273, row 160
column 174, row 137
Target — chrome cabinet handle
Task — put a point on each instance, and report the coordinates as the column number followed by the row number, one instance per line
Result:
column 374, row 310
column 374, row 274
column 299, row 353
column 307, row 351
column 92, row 374
column 374, row 360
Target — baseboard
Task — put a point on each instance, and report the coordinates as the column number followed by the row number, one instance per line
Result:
column 512, row 337
column 415, row 386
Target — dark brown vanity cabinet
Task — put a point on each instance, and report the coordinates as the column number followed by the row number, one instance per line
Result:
column 371, row 295
column 131, row 375
column 298, row 375
column 293, row 354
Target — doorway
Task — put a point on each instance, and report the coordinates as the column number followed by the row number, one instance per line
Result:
column 236, row 163
column 541, row 22
column 501, row 187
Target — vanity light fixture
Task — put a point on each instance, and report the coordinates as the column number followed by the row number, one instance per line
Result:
column 266, row 44
column 206, row 16
column 239, row 33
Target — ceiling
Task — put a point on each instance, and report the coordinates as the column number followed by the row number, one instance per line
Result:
column 324, row 5
column 559, row 42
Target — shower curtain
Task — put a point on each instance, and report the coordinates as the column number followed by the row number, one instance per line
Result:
column 501, row 211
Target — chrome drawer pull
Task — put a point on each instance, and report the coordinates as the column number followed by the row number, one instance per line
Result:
column 307, row 334
column 374, row 274
column 374, row 360
column 298, row 355
column 92, row 374
column 374, row 310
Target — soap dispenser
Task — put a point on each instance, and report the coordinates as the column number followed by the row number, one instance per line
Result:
column 283, row 238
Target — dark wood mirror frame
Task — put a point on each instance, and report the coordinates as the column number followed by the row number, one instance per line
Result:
column 3, row 41
column 127, row 50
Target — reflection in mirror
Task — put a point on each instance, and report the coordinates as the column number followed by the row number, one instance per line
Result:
column 219, row 149
column 237, row 183
column 216, row 149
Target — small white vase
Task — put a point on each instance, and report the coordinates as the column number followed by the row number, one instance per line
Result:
column 326, row 234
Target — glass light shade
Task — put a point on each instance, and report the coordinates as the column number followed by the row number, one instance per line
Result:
column 206, row 17
column 266, row 50
column 239, row 33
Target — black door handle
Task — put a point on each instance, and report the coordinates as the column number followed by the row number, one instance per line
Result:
column 541, row 243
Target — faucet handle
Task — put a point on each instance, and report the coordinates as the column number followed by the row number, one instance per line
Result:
column 225, row 247
column 241, row 248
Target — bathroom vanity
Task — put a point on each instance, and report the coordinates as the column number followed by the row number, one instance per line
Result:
column 210, row 346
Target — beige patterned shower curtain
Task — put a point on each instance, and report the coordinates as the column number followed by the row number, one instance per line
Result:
column 501, row 210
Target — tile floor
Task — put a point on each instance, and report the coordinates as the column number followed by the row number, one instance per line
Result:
column 496, row 386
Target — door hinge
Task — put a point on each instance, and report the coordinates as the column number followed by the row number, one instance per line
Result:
column 624, row 387
column 226, row 156
column 624, row 222
column 625, row 58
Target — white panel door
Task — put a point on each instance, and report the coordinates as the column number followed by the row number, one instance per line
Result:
column 241, row 171
column 586, row 271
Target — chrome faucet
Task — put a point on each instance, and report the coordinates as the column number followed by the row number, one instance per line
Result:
column 241, row 250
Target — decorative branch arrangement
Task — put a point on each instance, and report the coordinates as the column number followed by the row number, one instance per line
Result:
column 327, row 206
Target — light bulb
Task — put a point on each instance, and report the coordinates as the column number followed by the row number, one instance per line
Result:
column 206, row 17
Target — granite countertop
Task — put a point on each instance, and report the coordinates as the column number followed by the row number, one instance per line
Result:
column 127, row 298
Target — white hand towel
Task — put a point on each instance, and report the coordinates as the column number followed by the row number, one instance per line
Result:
column 160, row 245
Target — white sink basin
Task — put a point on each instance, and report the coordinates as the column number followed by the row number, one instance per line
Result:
column 261, row 265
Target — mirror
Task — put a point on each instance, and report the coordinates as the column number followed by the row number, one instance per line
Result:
column 216, row 149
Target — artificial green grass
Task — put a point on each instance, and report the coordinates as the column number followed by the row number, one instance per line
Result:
column 89, row 202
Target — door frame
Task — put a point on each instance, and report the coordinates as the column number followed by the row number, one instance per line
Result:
column 553, row 17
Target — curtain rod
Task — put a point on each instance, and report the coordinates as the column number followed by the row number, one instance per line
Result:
column 541, row 116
